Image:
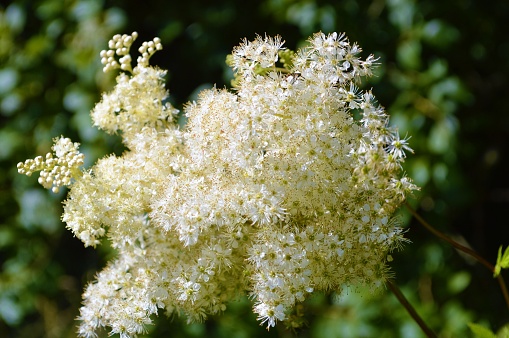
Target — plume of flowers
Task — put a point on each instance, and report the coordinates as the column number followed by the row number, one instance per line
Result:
column 275, row 189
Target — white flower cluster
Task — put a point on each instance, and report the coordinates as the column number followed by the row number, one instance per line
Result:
column 274, row 189
column 59, row 171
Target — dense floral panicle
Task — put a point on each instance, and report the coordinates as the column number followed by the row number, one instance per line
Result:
column 273, row 189
column 118, row 190
column 137, row 102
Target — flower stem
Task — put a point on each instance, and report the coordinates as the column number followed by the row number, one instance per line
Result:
column 410, row 309
column 461, row 248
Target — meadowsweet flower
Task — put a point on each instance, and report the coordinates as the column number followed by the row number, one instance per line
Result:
column 273, row 189
column 398, row 146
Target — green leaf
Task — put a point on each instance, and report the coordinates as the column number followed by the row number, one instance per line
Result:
column 505, row 259
column 480, row 331
column 503, row 332
column 502, row 261
column 458, row 282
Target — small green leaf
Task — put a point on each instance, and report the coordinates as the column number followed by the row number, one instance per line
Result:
column 505, row 259
column 503, row 332
column 480, row 331
column 502, row 261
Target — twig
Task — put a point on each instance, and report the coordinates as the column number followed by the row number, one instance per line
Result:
column 460, row 247
column 410, row 309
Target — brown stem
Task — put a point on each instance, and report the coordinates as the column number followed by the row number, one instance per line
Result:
column 461, row 248
column 504, row 289
column 410, row 309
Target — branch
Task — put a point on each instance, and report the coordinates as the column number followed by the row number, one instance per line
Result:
column 410, row 309
column 460, row 247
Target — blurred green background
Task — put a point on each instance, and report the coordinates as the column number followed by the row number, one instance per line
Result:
column 443, row 78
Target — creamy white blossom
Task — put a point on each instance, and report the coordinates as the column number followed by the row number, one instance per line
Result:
column 55, row 171
column 273, row 189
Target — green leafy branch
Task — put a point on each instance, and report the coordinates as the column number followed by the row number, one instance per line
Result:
column 502, row 263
